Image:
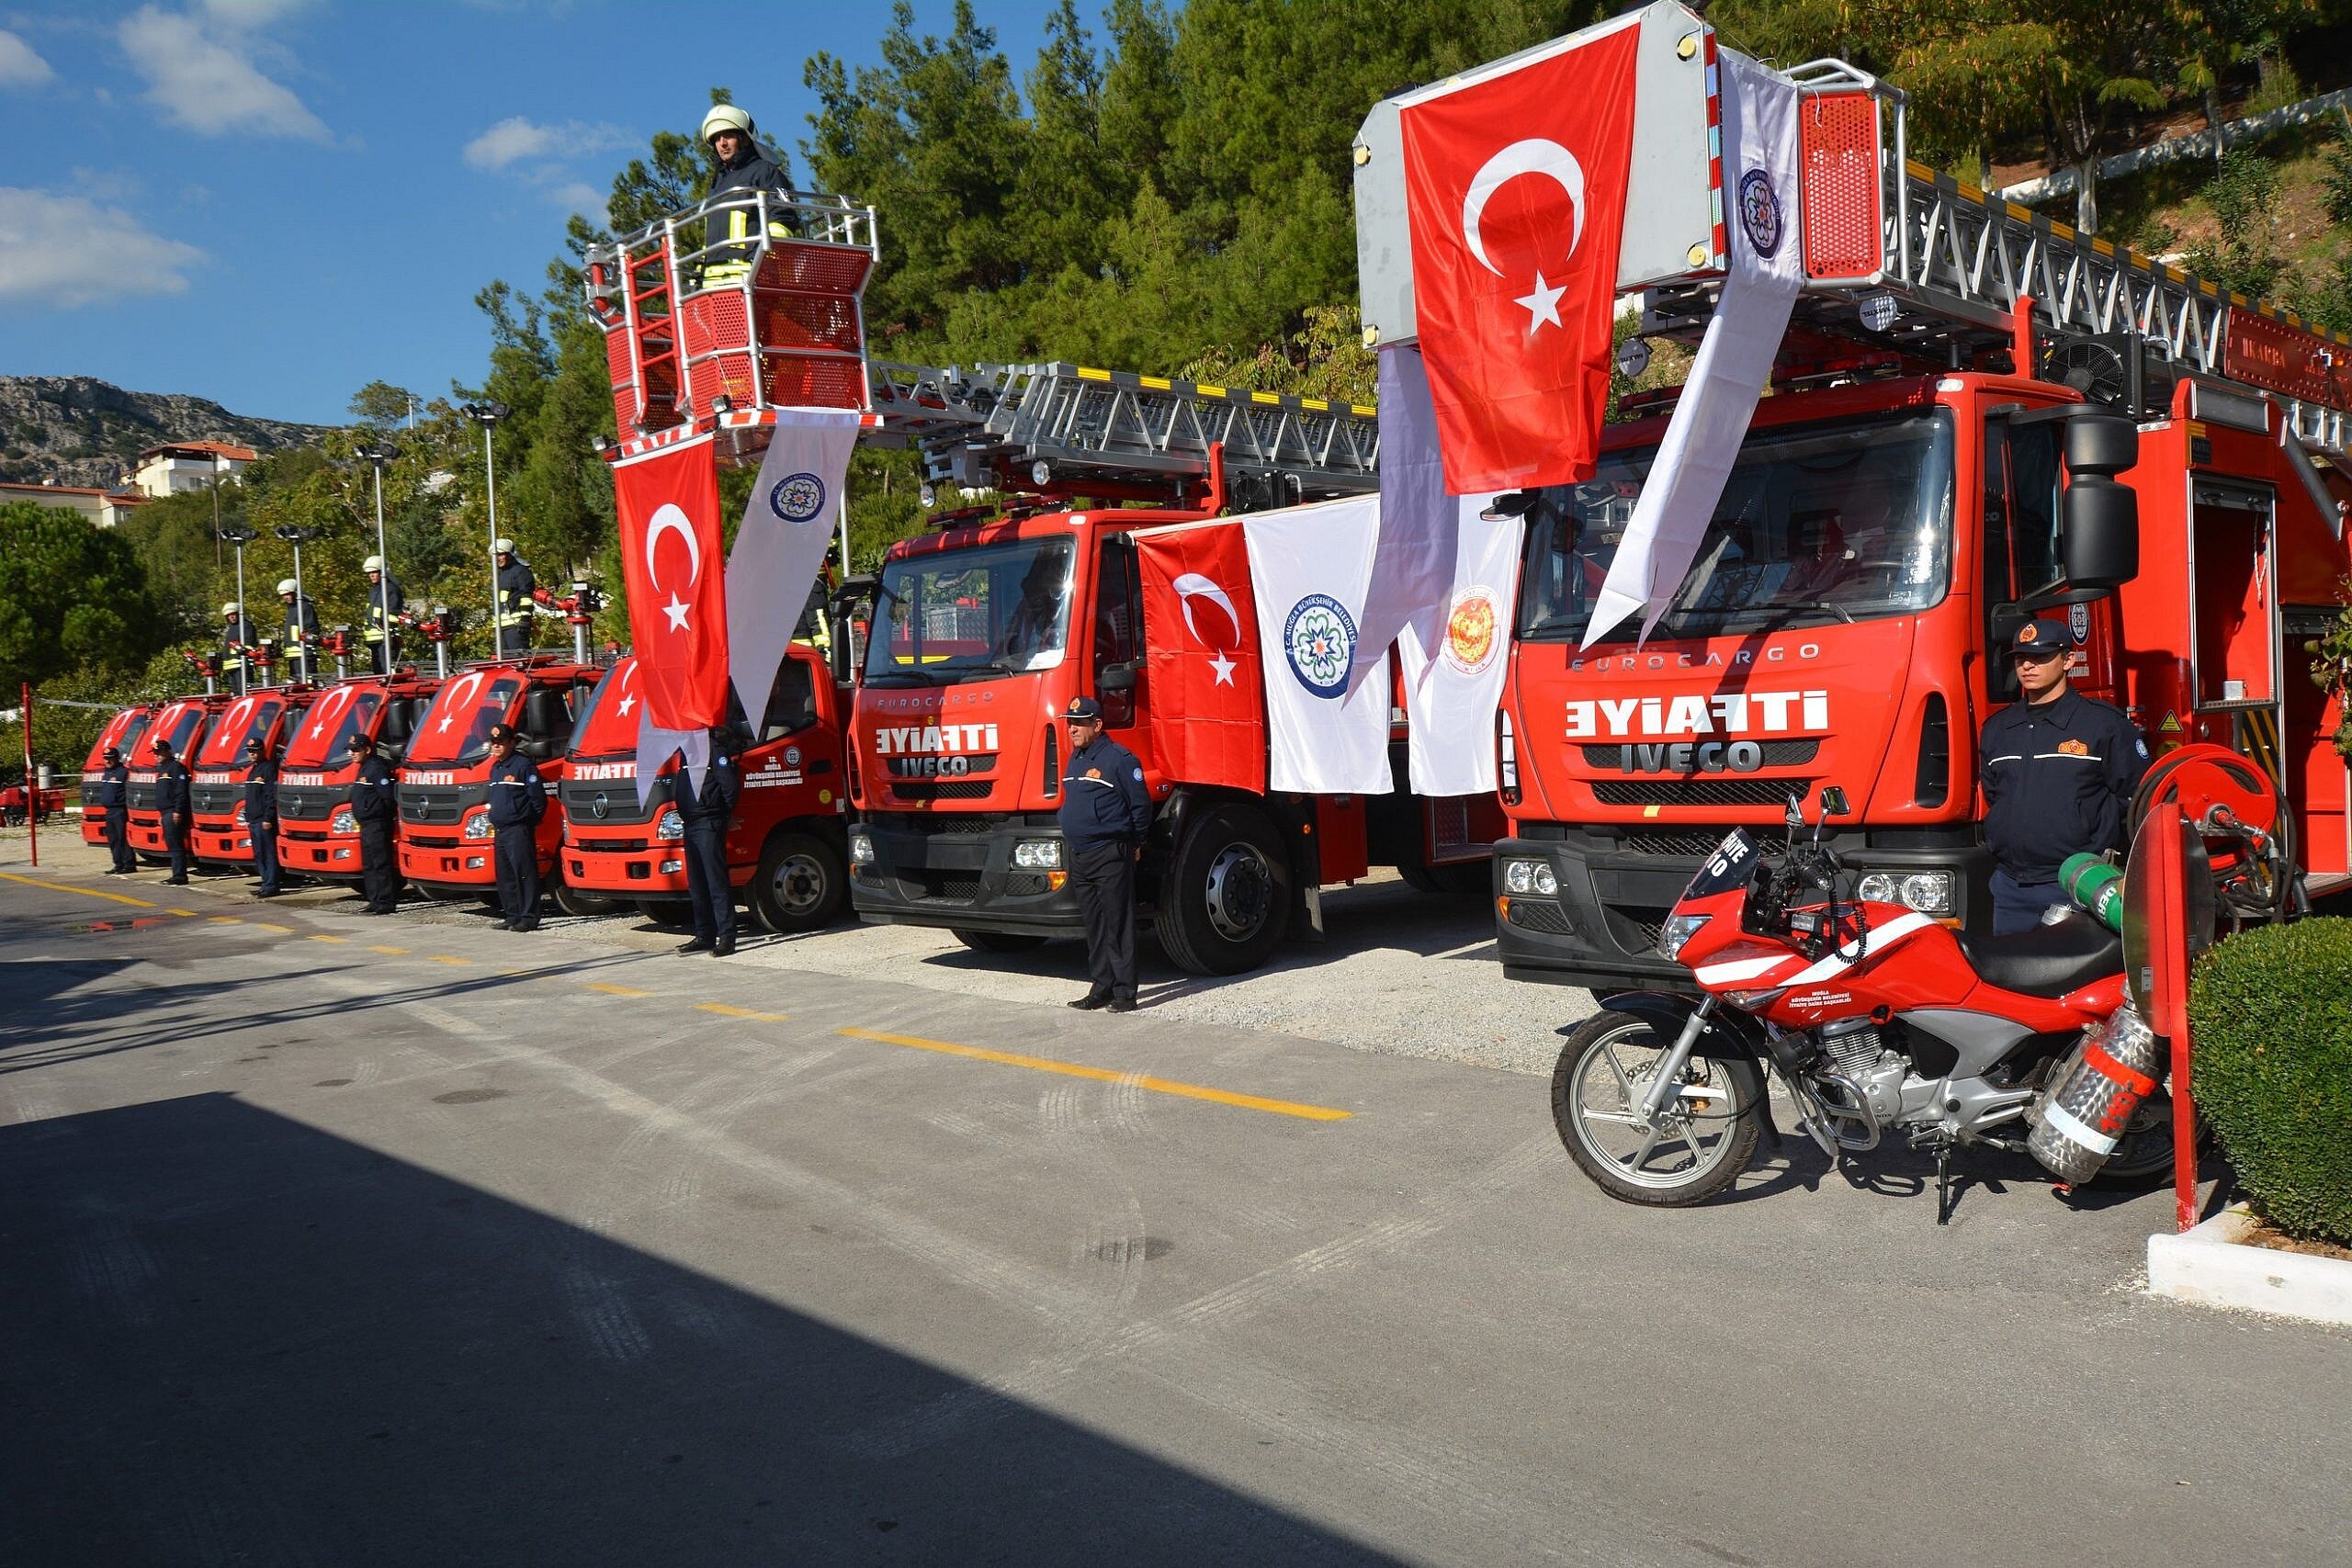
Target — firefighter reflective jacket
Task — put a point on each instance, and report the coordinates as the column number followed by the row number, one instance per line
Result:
column 515, row 586
column 385, row 600
column 754, row 171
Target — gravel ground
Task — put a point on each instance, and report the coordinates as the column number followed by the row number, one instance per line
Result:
column 1398, row 973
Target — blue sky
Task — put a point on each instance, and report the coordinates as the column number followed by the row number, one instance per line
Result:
column 271, row 202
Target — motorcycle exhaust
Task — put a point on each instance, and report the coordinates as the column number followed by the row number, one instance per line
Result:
column 2087, row 1107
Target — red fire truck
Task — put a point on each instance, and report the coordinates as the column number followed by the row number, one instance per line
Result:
column 218, row 772
column 317, row 837
column 787, row 850
column 181, row 721
column 1980, row 416
column 123, row 731
column 445, row 831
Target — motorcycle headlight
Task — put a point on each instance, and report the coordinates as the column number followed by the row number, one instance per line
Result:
column 1677, row 929
column 861, row 850
column 477, row 826
column 1038, row 854
column 343, row 822
column 1929, row 892
column 671, row 825
column 1519, row 876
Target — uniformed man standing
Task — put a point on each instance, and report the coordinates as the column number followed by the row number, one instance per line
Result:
column 385, row 601
column 511, row 600
column 112, row 796
column 261, row 814
column 375, row 806
column 1105, row 812
column 172, row 805
column 743, row 167
column 2059, row 772
column 707, row 812
column 302, row 626
column 235, row 640
column 518, row 798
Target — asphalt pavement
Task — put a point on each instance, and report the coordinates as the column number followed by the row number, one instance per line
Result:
column 342, row 1240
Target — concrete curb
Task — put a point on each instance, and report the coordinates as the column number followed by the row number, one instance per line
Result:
column 2211, row 1266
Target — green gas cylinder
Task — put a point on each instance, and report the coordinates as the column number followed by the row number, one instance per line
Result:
column 2097, row 884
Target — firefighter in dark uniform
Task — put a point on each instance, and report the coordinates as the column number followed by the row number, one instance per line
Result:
column 745, row 167
column 172, row 805
column 707, row 812
column 511, row 603
column 518, row 798
column 2059, row 772
column 375, row 806
column 1105, row 812
column 385, row 601
column 112, row 796
column 261, row 814
column 235, row 639
column 302, row 626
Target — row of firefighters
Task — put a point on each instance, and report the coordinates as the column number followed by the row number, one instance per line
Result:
column 247, row 658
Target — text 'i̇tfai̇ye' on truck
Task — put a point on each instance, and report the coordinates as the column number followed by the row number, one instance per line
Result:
column 983, row 632
column 1979, row 416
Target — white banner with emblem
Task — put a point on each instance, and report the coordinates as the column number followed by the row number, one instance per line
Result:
column 788, row 525
column 1310, row 569
column 1453, row 665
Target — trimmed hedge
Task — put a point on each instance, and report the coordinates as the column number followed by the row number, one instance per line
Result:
column 2271, row 1026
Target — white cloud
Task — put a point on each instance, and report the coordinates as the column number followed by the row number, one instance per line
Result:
column 513, row 140
column 250, row 13
column 583, row 199
column 62, row 251
column 208, row 85
column 19, row 66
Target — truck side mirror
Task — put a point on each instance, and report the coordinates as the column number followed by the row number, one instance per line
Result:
column 2099, row 516
column 1116, row 685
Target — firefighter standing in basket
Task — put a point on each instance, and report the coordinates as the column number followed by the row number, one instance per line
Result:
column 1105, row 812
column 2059, row 772
column 113, row 797
column 261, row 814
column 235, row 639
column 510, row 605
column 172, row 805
column 518, row 798
column 375, row 806
column 385, row 601
column 302, row 623
column 706, row 811
column 745, row 169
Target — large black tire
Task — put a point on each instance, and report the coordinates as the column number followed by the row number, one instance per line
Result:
column 801, row 886
column 999, row 941
column 671, row 914
column 1471, row 879
column 585, row 904
column 1728, row 1126
column 1225, row 902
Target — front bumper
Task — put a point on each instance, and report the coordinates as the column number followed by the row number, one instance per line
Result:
column 319, row 853
column 958, row 870
column 217, row 842
column 1617, row 886
column 638, row 866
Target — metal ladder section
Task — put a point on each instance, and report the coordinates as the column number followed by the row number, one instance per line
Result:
column 1031, row 426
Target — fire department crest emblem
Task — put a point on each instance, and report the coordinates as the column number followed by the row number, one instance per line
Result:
column 1470, row 640
column 1319, row 640
column 797, row 498
column 1759, row 212
column 2074, row 748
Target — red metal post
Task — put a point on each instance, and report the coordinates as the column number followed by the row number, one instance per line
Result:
column 2021, row 335
column 32, row 789
column 2168, row 914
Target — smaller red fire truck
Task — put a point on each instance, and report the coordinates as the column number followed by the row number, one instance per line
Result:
column 123, row 731
column 445, row 831
column 217, row 773
column 183, row 722
column 317, row 837
column 786, row 846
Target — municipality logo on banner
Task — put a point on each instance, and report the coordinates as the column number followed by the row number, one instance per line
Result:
column 1319, row 637
column 798, row 497
column 1310, row 571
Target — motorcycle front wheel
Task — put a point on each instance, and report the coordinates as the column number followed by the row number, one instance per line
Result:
column 1698, row 1146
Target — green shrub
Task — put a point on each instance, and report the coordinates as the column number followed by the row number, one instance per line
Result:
column 2270, row 1025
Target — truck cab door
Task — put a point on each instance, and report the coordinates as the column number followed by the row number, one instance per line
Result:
column 1117, row 652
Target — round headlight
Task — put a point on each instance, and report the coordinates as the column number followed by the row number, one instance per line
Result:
column 477, row 826
column 1876, row 888
column 1929, row 892
column 671, row 825
column 1545, row 882
column 1518, row 875
column 343, row 822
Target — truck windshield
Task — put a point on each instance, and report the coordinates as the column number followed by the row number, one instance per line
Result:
column 985, row 610
column 224, row 743
column 1816, row 526
column 123, row 733
column 608, row 729
column 323, row 737
column 175, row 724
column 457, row 728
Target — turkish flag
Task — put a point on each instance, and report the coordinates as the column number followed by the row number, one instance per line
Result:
column 1515, row 195
column 1201, row 657
column 673, row 559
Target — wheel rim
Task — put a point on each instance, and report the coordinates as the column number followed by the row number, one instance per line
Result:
column 1240, row 892
column 799, row 883
column 1684, row 1147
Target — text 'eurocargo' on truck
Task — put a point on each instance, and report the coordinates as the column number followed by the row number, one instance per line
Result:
column 1960, row 389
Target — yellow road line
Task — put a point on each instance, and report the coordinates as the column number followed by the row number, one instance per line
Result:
column 395, row 952
column 224, row 920
column 265, row 926
column 1105, row 1075
column 320, row 937
column 445, row 958
column 724, row 1010
column 184, row 914
column 85, row 892
column 619, row 990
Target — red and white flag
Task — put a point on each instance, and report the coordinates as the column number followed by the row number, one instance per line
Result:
column 1202, row 666
column 1515, row 197
column 672, row 559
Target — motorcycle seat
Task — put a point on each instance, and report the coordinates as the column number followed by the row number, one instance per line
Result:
column 2048, row 961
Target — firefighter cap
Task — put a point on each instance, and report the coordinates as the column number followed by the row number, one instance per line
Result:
column 162, row 748
column 228, row 610
column 503, row 734
column 253, row 747
column 1083, row 707
column 285, row 585
column 373, row 563
column 357, row 743
column 113, row 753
column 2044, row 636
column 726, row 116
column 501, row 547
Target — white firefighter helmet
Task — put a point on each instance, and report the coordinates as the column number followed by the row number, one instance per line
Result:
column 373, row 563
column 726, row 116
column 501, row 547
column 285, row 585
column 229, row 609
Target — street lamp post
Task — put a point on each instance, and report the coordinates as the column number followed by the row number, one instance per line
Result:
column 296, row 538
column 377, row 454
column 487, row 415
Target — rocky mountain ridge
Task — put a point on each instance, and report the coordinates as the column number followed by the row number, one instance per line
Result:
column 78, row 430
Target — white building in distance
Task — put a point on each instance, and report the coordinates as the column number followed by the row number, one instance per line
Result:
column 188, row 464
